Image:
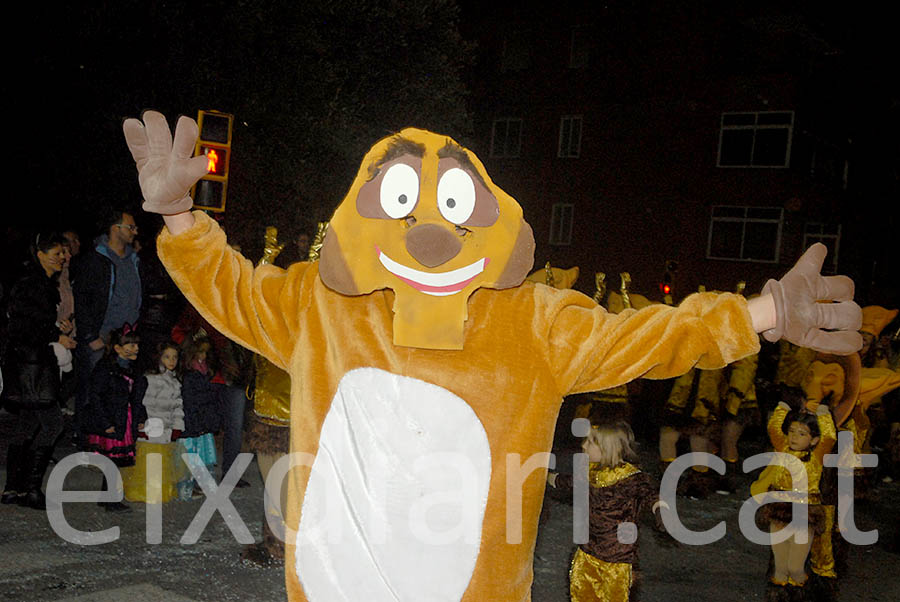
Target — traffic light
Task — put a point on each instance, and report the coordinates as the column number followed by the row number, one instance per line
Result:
column 668, row 280
column 215, row 143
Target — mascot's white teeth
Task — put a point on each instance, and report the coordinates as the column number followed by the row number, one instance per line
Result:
column 440, row 284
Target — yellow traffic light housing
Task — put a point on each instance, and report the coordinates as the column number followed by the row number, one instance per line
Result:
column 215, row 143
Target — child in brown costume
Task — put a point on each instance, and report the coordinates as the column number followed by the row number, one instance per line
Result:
column 603, row 568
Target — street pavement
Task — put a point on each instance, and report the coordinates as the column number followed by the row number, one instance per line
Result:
column 38, row 565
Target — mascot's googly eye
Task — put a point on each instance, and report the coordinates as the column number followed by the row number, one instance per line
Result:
column 456, row 196
column 399, row 190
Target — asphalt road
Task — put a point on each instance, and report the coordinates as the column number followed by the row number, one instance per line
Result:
column 36, row 564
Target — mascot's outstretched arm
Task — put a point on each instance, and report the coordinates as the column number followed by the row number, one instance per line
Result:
column 166, row 172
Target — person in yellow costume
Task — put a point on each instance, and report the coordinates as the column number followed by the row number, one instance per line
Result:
column 808, row 437
column 267, row 431
column 609, row 405
column 874, row 319
column 415, row 432
column 840, row 380
column 692, row 409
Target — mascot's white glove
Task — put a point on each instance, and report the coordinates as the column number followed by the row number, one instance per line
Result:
column 166, row 170
column 803, row 312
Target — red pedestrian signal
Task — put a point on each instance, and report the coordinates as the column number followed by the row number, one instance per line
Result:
column 217, row 159
column 665, row 285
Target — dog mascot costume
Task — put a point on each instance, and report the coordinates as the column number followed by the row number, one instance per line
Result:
column 420, row 431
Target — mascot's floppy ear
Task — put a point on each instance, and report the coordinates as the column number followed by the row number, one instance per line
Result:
column 424, row 219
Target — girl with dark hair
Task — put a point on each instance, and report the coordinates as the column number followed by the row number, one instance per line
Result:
column 202, row 407
column 33, row 373
column 113, row 413
column 160, row 392
column 807, row 436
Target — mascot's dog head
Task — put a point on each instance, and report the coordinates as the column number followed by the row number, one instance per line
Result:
column 424, row 219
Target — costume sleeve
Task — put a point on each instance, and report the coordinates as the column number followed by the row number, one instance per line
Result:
column 776, row 435
column 138, row 410
column 99, row 408
column 827, row 435
column 645, row 490
column 91, row 292
column 31, row 322
column 591, row 349
column 741, row 385
column 260, row 307
column 140, row 391
column 564, row 483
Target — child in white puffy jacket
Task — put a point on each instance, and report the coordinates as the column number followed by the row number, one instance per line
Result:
column 160, row 392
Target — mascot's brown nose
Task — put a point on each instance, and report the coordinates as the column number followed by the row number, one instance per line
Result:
column 431, row 245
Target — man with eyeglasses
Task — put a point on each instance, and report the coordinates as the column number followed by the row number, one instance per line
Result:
column 107, row 287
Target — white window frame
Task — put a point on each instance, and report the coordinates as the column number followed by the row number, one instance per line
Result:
column 714, row 219
column 572, row 150
column 755, row 127
column 505, row 151
column 516, row 51
column 562, row 219
column 579, row 49
column 814, row 232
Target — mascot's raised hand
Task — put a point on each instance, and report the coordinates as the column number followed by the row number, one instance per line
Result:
column 166, row 170
column 804, row 312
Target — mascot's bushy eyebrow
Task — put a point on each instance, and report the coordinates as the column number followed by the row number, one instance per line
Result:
column 454, row 151
column 398, row 147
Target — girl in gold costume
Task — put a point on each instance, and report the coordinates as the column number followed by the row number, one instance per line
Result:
column 603, row 568
column 808, row 438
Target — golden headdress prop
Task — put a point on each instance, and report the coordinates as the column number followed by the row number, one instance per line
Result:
column 875, row 318
column 555, row 277
column 624, row 298
column 272, row 389
column 600, row 285
column 836, row 374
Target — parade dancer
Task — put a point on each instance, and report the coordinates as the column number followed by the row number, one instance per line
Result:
column 807, row 437
column 603, row 568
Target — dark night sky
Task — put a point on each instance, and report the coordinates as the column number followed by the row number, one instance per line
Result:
column 85, row 68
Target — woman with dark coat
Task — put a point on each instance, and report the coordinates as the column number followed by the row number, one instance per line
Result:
column 30, row 356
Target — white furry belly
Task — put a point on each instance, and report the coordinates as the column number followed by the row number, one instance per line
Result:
column 395, row 502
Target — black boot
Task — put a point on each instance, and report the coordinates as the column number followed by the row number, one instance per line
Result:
column 776, row 592
column 112, row 506
column 727, row 484
column 696, row 485
column 33, row 497
column 16, row 458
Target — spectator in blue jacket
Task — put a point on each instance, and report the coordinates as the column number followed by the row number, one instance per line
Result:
column 107, row 289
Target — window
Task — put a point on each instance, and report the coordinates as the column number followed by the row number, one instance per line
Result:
column 745, row 233
column 830, row 236
column 506, row 138
column 756, row 139
column 561, row 224
column 580, row 49
column 516, row 51
column 570, row 136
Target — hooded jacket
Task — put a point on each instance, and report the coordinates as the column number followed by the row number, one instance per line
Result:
column 93, row 283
